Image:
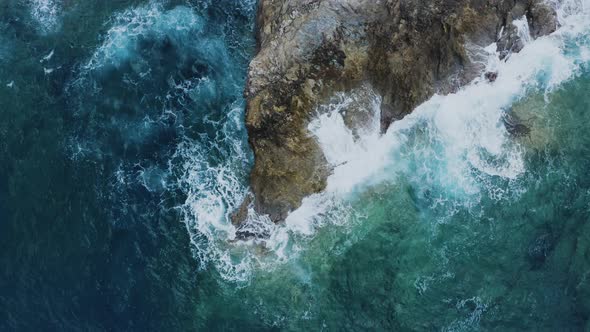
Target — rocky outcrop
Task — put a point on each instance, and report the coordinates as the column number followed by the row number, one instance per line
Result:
column 407, row 50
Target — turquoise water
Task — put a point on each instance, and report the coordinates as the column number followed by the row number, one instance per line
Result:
column 123, row 151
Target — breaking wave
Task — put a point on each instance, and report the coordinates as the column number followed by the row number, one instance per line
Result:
column 47, row 14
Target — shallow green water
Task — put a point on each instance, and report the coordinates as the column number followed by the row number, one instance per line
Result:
column 122, row 150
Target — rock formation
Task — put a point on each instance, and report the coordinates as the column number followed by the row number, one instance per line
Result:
column 407, row 50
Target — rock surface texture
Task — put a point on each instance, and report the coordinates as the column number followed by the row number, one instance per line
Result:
column 407, row 50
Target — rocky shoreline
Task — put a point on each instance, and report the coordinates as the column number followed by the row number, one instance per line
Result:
column 406, row 50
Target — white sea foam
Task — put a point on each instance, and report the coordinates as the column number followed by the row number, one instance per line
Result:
column 471, row 322
column 354, row 158
column 523, row 30
column 214, row 189
column 121, row 41
column 47, row 57
column 47, row 14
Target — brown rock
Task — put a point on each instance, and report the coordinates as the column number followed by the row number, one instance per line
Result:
column 240, row 215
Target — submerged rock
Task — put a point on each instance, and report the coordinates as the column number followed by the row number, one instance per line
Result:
column 539, row 249
column 515, row 126
column 407, row 50
column 491, row 76
column 241, row 213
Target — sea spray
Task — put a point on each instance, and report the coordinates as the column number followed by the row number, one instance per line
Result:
column 523, row 30
column 133, row 26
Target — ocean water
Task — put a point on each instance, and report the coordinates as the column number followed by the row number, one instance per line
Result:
column 123, row 152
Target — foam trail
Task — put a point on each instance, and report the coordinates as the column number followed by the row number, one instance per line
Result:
column 46, row 13
column 121, row 41
column 523, row 30
column 47, row 57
